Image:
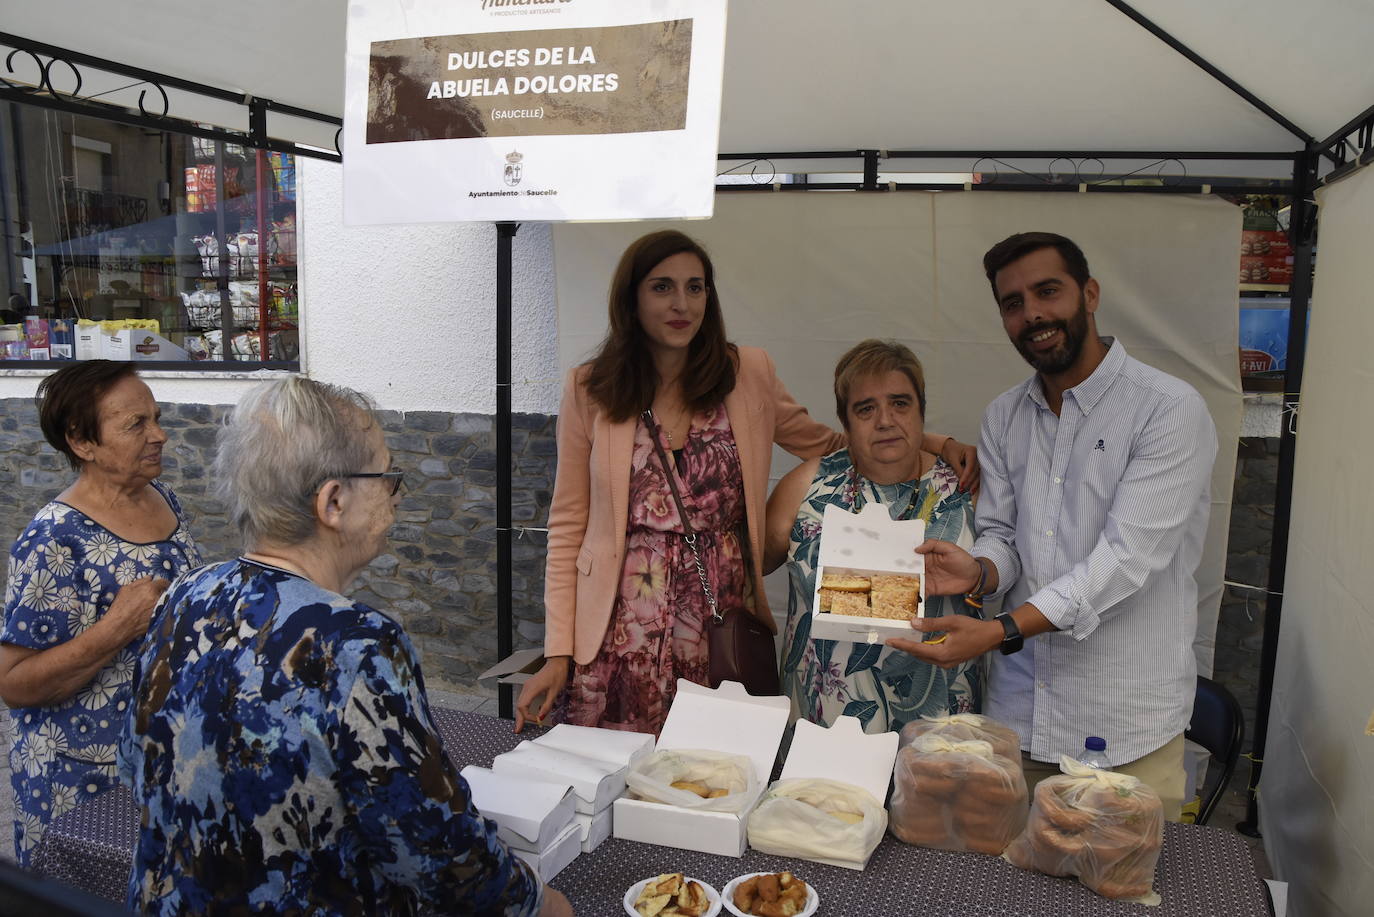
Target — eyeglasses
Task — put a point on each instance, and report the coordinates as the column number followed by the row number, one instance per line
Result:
column 396, row 476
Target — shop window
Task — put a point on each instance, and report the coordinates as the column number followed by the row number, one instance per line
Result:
column 130, row 243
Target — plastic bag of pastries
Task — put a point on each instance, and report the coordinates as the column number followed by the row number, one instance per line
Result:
column 960, row 727
column 709, row 780
column 957, row 795
column 1103, row 827
column 818, row 819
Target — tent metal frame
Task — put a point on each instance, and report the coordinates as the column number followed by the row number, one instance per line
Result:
column 1336, row 149
column 153, row 101
column 1340, row 152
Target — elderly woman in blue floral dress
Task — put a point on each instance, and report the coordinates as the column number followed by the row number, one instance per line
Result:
column 83, row 578
column 279, row 742
column 880, row 398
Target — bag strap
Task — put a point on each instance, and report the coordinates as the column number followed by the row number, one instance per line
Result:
column 668, row 471
column 691, row 536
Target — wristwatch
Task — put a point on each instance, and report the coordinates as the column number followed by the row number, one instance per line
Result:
column 1013, row 641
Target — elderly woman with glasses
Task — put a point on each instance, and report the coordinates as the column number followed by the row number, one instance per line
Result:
column 279, row 742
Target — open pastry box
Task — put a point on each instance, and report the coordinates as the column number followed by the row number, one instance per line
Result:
column 844, row 753
column 862, row 546
column 726, row 719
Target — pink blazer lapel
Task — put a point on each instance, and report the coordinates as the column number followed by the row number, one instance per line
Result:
column 620, row 447
column 743, row 423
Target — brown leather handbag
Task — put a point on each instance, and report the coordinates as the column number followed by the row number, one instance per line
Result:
column 740, row 645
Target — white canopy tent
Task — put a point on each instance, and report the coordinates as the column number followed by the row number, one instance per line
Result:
column 980, row 81
column 982, row 75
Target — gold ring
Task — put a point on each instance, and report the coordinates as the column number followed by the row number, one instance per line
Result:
column 941, row 639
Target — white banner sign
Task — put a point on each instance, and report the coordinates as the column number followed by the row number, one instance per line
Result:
column 531, row 109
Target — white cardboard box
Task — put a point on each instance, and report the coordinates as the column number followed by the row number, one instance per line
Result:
column 137, row 344
column 613, row 746
column 560, row 853
column 595, row 828
column 529, row 814
column 516, row 668
column 867, row 543
column 726, row 719
column 844, row 753
column 595, row 783
column 88, row 342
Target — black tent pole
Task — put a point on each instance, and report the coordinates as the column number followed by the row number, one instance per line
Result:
column 505, row 235
column 1301, row 229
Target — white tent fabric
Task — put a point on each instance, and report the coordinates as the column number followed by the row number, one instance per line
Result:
column 1317, row 791
column 806, row 276
column 886, row 74
column 1055, row 75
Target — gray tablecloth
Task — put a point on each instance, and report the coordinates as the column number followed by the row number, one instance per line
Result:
column 1202, row 871
column 91, row 847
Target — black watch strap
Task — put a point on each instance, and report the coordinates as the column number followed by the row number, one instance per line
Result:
column 1013, row 641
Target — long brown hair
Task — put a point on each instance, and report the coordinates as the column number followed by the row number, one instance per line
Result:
column 622, row 378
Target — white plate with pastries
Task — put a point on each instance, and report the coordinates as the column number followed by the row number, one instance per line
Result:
column 639, row 904
column 813, row 900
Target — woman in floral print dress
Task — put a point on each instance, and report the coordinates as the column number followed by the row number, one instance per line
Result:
column 624, row 607
column 880, row 395
column 83, row 578
column 658, row 632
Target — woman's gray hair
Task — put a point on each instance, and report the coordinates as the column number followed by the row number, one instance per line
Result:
column 283, row 440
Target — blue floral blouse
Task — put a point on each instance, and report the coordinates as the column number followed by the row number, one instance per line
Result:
column 281, row 749
column 64, row 572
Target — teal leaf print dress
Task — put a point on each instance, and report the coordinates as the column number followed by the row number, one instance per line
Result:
column 884, row 688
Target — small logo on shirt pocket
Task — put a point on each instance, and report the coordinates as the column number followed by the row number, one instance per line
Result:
column 1100, row 447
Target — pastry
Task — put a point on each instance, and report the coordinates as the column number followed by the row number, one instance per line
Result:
column 777, row 895
column 701, row 789
column 852, row 818
column 892, row 610
column 1108, row 836
column 898, row 587
column 672, row 895
column 843, row 581
column 850, row 603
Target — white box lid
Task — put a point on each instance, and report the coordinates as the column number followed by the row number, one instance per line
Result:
column 870, row 539
column 515, row 669
column 593, row 781
column 535, row 810
column 727, row 719
column 614, row 746
column 844, row 752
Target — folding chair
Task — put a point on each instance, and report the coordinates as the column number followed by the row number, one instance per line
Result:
column 1218, row 725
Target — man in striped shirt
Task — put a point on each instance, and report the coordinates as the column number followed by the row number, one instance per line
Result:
column 1091, row 523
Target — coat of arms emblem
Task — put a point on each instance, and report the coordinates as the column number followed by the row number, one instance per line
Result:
column 513, row 168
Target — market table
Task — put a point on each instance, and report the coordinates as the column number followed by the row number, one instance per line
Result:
column 1201, row 870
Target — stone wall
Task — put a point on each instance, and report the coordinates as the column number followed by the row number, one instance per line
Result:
column 438, row 576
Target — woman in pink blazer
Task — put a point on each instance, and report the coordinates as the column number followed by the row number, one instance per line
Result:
column 626, row 613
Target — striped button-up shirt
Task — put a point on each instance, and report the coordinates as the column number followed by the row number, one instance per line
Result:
column 1097, row 517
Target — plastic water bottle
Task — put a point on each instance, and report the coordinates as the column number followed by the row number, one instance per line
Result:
column 1095, row 754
